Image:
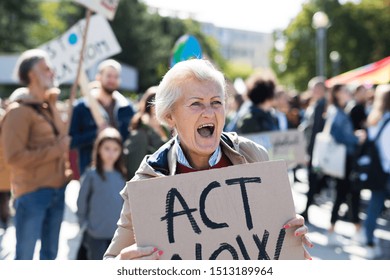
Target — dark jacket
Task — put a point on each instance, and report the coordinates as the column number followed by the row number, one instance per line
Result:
column 343, row 132
column 257, row 120
column 83, row 128
column 358, row 116
column 141, row 142
column 313, row 122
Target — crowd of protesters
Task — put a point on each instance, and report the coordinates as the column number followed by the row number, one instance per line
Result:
column 35, row 148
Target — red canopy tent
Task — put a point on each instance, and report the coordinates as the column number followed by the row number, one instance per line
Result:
column 371, row 74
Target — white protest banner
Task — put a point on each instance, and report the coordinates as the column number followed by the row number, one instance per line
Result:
column 106, row 8
column 237, row 212
column 287, row 145
column 64, row 51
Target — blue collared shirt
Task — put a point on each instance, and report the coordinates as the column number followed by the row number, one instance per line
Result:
column 181, row 158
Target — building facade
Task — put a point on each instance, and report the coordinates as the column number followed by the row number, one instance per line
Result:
column 249, row 47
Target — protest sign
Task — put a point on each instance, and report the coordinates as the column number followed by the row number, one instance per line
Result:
column 64, row 51
column 237, row 212
column 106, row 8
column 287, row 145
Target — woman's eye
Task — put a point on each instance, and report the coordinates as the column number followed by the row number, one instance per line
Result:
column 196, row 104
column 216, row 103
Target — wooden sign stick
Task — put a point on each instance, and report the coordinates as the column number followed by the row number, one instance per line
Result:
column 72, row 95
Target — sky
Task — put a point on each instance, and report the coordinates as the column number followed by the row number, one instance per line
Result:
column 253, row 15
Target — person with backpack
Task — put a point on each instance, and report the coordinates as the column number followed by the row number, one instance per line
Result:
column 343, row 133
column 376, row 120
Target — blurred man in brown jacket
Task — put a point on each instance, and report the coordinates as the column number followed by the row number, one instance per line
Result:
column 5, row 186
column 35, row 144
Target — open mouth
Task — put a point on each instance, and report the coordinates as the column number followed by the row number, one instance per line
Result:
column 206, row 130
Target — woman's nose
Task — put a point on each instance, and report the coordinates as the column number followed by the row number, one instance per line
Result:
column 208, row 111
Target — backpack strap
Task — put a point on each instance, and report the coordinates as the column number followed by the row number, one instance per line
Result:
column 379, row 133
column 37, row 108
column 381, row 129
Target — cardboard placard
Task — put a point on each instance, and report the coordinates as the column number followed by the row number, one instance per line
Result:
column 288, row 145
column 237, row 212
column 64, row 51
column 106, row 8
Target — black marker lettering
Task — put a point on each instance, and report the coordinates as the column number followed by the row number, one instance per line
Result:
column 279, row 243
column 202, row 207
column 242, row 248
column 261, row 245
column 241, row 181
column 170, row 214
column 224, row 247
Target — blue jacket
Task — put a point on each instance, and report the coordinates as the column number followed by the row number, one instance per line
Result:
column 83, row 128
column 342, row 131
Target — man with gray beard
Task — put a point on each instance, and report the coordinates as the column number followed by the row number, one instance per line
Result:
column 35, row 146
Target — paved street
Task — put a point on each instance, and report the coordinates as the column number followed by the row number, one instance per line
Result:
column 319, row 216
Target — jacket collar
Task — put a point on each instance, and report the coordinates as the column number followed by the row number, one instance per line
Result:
column 164, row 160
column 120, row 100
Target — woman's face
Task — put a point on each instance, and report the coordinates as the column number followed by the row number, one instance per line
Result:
column 199, row 117
column 109, row 152
column 343, row 96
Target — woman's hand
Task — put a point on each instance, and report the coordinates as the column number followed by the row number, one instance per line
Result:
column 299, row 223
column 134, row 252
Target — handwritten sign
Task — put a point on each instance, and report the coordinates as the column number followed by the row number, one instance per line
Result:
column 287, row 145
column 106, row 8
column 64, row 51
column 237, row 212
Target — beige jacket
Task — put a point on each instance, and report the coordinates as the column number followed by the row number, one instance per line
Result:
column 5, row 184
column 32, row 150
column 238, row 149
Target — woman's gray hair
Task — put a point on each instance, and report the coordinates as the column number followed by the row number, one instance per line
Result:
column 171, row 86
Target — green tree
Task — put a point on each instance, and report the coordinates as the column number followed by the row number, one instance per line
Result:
column 147, row 40
column 55, row 18
column 16, row 18
column 357, row 32
column 233, row 70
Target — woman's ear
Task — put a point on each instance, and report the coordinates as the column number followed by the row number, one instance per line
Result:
column 170, row 121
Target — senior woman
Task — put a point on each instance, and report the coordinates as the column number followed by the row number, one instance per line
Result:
column 191, row 100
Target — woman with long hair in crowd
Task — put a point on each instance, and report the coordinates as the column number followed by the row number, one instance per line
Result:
column 146, row 133
column 376, row 119
column 99, row 203
column 342, row 131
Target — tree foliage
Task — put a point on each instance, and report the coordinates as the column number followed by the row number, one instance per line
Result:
column 16, row 18
column 356, row 31
column 146, row 39
column 55, row 18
